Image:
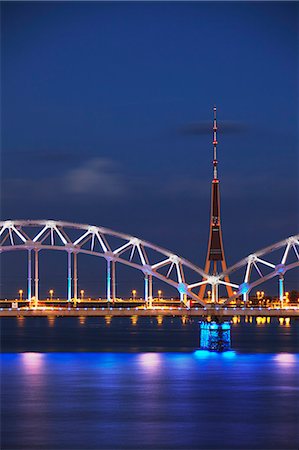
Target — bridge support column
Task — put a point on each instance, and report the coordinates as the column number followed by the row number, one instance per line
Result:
column 245, row 298
column 150, row 291
column 281, row 289
column 113, row 281
column 29, row 279
column 215, row 293
column 36, row 279
column 108, row 286
column 75, row 279
column 146, row 289
column 69, row 277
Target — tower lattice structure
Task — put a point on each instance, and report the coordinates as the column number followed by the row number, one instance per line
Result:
column 215, row 255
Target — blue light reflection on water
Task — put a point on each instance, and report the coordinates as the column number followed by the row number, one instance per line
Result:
column 196, row 400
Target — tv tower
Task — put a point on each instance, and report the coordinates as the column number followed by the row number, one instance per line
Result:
column 215, row 255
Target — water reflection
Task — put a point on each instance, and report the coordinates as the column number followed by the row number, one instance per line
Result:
column 32, row 362
column 184, row 320
column 284, row 321
column 203, row 354
column 20, row 321
column 108, row 320
column 236, row 319
column 82, row 320
column 134, row 320
column 286, row 358
column 261, row 320
column 150, row 361
column 160, row 320
column 51, row 321
column 173, row 400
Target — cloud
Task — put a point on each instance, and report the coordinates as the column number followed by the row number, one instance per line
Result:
column 205, row 127
column 96, row 176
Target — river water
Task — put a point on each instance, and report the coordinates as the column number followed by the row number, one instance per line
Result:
column 78, row 384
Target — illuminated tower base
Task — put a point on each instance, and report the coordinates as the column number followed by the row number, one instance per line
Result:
column 215, row 336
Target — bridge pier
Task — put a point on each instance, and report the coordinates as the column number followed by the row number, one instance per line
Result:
column 215, row 335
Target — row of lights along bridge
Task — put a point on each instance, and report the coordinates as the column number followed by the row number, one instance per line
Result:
column 259, row 299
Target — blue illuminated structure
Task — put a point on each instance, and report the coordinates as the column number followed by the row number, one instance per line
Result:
column 215, row 336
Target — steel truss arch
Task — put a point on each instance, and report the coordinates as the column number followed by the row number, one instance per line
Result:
column 95, row 240
column 255, row 262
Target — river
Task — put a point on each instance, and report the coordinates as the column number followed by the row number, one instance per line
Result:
column 69, row 383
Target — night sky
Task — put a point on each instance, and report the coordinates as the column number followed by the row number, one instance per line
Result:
column 107, row 117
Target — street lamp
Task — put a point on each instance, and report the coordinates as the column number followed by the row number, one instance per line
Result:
column 82, row 294
column 21, row 294
column 51, row 292
column 134, row 293
column 209, row 295
column 159, row 294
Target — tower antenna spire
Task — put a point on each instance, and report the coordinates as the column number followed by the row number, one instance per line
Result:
column 215, row 142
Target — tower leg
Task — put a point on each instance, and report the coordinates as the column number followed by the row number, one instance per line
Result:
column 229, row 289
column 204, row 286
column 29, row 280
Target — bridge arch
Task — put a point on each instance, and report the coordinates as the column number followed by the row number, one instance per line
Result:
column 36, row 235
column 262, row 260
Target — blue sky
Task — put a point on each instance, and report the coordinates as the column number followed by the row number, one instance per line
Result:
column 106, row 109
